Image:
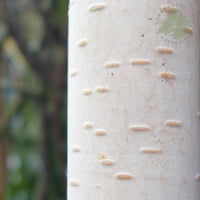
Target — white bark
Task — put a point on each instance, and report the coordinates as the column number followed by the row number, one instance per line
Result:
column 133, row 122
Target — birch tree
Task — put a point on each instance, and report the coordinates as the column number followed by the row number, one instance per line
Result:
column 133, row 100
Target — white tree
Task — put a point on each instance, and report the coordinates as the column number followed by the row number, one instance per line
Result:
column 133, row 129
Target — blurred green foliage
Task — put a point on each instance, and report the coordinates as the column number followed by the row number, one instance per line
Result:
column 33, row 38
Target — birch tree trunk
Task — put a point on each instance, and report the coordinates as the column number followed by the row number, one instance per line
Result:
column 133, row 100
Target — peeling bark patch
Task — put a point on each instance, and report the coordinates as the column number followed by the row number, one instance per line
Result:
column 102, row 156
column 140, row 62
column 107, row 162
column 88, row 125
column 73, row 182
column 112, row 64
column 82, row 43
column 168, row 75
column 87, row 91
column 165, row 50
column 198, row 177
column 188, row 29
column 150, row 150
column 100, row 132
column 139, row 127
column 198, row 114
column 124, row 176
column 75, row 148
column 96, row 7
column 168, row 9
column 102, row 89
column 173, row 123
column 73, row 72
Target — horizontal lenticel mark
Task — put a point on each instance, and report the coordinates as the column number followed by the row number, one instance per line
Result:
column 150, row 150
column 165, row 50
column 112, row 64
column 75, row 148
column 168, row 75
column 88, row 125
column 123, row 176
column 106, row 162
column 98, row 186
column 168, row 9
column 140, row 62
column 139, row 127
column 96, row 7
column 73, row 182
column 188, row 29
column 87, row 91
column 82, row 42
column 172, row 123
column 100, row 132
column 102, row 89
column 73, row 72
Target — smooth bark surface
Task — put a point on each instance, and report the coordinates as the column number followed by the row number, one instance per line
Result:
column 133, row 100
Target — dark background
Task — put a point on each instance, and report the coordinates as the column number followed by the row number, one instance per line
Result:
column 33, row 57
